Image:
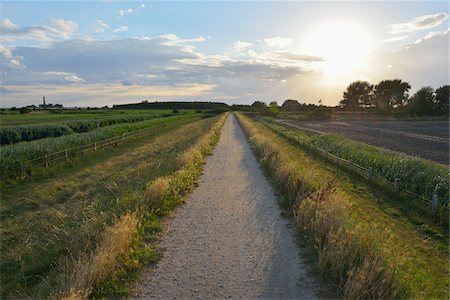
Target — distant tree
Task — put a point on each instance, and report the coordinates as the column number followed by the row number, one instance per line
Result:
column 358, row 94
column 391, row 94
column 24, row 110
column 422, row 102
column 441, row 100
column 290, row 105
column 259, row 105
column 273, row 104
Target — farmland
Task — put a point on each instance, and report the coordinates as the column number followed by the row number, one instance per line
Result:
column 61, row 217
column 425, row 139
column 371, row 242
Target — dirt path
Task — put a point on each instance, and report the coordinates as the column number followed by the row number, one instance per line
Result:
column 229, row 240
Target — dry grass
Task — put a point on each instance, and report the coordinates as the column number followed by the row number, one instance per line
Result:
column 349, row 256
column 156, row 191
column 80, row 278
column 163, row 193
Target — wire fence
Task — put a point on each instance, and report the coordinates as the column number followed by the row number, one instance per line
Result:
column 27, row 168
column 365, row 172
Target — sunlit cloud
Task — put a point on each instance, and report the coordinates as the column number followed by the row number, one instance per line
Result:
column 239, row 45
column 419, row 23
column 120, row 29
column 278, row 42
column 11, row 32
column 395, row 39
column 431, row 35
column 65, row 25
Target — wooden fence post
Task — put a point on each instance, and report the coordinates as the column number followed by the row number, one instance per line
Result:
column 95, row 146
column 369, row 173
column 434, row 203
column 397, row 184
column 66, row 154
column 46, row 160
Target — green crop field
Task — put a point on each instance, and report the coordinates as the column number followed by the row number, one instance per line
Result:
column 52, row 220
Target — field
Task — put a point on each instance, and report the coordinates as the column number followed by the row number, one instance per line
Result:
column 54, row 219
column 425, row 139
column 87, row 226
column 371, row 242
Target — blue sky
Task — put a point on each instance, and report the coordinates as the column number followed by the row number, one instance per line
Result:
column 105, row 52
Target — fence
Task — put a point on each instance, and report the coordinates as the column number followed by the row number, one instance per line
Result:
column 366, row 172
column 24, row 169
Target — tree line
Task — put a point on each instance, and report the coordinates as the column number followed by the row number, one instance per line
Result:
column 391, row 96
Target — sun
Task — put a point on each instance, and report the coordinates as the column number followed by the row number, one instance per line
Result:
column 344, row 46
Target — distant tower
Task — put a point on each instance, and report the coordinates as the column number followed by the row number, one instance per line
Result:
column 43, row 99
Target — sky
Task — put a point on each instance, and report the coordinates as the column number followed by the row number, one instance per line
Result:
column 95, row 53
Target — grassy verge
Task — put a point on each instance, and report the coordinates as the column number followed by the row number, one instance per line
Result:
column 366, row 246
column 24, row 151
column 420, row 176
column 53, row 229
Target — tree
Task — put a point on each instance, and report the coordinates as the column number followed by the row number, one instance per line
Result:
column 441, row 100
column 259, row 105
column 290, row 105
column 358, row 94
column 273, row 104
column 422, row 102
column 391, row 94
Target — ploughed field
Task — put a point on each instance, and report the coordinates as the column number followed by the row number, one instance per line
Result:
column 426, row 139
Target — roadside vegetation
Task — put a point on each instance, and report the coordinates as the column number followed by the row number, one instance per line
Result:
column 366, row 242
column 24, row 151
column 15, row 134
column 90, row 227
column 421, row 176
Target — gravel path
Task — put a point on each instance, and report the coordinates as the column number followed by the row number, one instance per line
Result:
column 229, row 240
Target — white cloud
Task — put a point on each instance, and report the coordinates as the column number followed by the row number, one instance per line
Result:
column 11, row 32
column 239, row 45
column 120, row 29
column 8, row 60
column 65, row 25
column 419, row 23
column 102, row 26
column 278, row 42
column 123, row 12
column 395, row 39
column 432, row 34
column 74, row 78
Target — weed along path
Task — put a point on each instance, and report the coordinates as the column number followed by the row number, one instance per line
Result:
column 229, row 240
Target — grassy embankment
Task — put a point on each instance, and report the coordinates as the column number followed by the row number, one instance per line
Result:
column 31, row 132
column 364, row 243
column 91, row 226
column 13, row 154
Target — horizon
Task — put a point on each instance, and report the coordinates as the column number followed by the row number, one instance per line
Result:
column 103, row 53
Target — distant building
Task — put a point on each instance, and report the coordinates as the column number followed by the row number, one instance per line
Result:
column 49, row 106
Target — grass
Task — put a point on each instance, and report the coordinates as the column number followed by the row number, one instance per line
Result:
column 420, row 176
column 13, row 154
column 363, row 241
column 54, row 225
column 21, row 133
column 9, row 118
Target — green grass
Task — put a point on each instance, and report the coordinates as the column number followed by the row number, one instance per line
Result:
column 356, row 217
column 13, row 154
column 418, row 175
column 21, row 133
column 35, row 117
column 48, row 222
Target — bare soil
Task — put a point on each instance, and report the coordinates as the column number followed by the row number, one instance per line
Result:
column 425, row 139
column 229, row 240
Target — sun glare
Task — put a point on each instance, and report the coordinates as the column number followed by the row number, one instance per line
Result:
column 344, row 46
